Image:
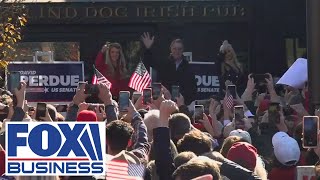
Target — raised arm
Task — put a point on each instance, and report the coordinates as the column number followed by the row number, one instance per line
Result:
column 100, row 62
column 106, row 97
column 20, row 94
column 141, row 146
column 273, row 94
column 161, row 141
column 247, row 94
column 217, row 126
column 79, row 97
column 148, row 59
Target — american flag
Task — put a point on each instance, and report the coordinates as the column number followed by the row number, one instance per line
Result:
column 121, row 170
column 98, row 78
column 229, row 101
column 140, row 78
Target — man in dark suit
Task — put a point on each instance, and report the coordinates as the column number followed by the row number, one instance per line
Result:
column 172, row 71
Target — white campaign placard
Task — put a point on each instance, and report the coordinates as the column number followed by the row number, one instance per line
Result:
column 306, row 173
column 296, row 75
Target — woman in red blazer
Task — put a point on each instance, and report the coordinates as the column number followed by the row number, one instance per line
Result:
column 111, row 62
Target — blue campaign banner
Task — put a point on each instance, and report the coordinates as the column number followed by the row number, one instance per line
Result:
column 49, row 82
column 207, row 78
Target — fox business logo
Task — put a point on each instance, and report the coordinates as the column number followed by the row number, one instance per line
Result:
column 55, row 148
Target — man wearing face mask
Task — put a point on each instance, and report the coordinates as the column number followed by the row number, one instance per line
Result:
column 172, row 71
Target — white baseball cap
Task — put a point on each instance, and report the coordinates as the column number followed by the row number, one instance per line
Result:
column 242, row 134
column 278, row 137
column 286, row 149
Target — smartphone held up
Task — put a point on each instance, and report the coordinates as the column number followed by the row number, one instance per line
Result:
column 124, row 100
column 135, row 97
column 156, row 90
column 232, row 90
column 92, row 89
column 310, row 131
column 14, row 79
column 238, row 117
column 41, row 111
column 198, row 113
column 147, row 95
column 175, row 93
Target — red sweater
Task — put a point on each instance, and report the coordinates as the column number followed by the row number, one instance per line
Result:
column 2, row 162
column 118, row 84
column 289, row 172
column 282, row 173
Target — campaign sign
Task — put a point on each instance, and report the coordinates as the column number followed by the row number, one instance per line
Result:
column 207, row 79
column 55, row 148
column 49, row 82
column 306, row 173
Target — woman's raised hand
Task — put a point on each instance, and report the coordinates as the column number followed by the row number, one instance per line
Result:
column 147, row 40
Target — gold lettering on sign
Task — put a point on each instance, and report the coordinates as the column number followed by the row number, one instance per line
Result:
column 54, row 13
column 121, row 12
column 162, row 11
column 242, row 12
column 138, row 11
column 172, row 11
column 186, row 9
column 226, row 12
column 154, row 12
column 41, row 12
column 234, row 11
column 105, row 12
column 149, row 12
column 207, row 11
column 218, row 11
column 91, row 9
column 71, row 12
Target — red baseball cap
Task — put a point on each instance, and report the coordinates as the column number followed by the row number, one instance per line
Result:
column 243, row 154
column 264, row 105
column 87, row 116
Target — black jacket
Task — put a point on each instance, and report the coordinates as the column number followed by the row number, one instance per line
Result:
column 163, row 158
column 169, row 75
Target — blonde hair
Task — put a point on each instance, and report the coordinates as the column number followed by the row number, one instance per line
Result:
column 150, row 119
column 121, row 63
column 260, row 170
column 227, row 46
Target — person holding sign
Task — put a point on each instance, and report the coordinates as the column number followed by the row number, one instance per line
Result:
column 174, row 71
column 111, row 62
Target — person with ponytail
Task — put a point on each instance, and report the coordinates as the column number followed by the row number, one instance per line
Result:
column 111, row 62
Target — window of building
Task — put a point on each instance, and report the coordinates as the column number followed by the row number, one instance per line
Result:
column 295, row 48
column 62, row 51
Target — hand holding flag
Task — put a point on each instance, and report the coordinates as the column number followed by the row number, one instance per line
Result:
column 98, row 78
column 140, row 78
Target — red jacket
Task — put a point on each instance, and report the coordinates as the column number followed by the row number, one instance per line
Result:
column 118, row 83
column 2, row 162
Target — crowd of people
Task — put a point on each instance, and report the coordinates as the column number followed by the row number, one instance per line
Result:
column 163, row 136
